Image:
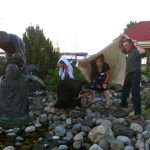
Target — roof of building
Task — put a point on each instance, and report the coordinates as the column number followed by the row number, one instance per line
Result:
column 140, row 31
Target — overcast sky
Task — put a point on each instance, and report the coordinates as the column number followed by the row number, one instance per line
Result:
column 76, row 25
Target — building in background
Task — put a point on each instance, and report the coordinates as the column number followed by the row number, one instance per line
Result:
column 75, row 56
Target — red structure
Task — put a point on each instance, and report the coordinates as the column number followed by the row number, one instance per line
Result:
column 141, row 33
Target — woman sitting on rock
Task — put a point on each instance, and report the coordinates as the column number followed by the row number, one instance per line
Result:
column 100, row 76
column 65, row 68
column 68, row 88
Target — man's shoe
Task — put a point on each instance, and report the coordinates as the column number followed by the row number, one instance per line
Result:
column 136, row 117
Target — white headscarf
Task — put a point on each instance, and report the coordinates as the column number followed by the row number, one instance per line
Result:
column 70, row 69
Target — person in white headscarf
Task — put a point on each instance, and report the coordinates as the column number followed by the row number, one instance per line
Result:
column 65, row 68
column 68, row 88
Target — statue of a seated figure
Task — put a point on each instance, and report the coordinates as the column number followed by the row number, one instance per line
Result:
column 13, row 97
column 13, row 83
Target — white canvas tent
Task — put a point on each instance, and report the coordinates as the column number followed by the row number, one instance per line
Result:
column 113, row 56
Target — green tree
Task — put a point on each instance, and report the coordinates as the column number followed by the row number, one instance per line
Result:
column 129, row 25
column 40, row 50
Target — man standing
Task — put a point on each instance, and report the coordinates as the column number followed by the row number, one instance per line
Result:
column 133, row 76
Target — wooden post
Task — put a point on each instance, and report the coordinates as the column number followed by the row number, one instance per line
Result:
column 148, row 58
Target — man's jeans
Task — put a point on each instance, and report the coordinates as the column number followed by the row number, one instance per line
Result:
column 132, row 81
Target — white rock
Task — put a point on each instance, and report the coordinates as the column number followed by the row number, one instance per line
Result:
column 79, row 136
column 99, row 132
column 45, row 145
column 117, row 145
column 11, row 134
column 30, row 129
column 124, row 139
column 19, row 138
column 56, row 137
column 47, row 109
column 120, row 120
column 96, row 147
column 68, row 121
column 62, row 147
column 60, row 130
column 128, row 148
column 77, row 144
column 139, row 144
column 53, row 110
column 107, row 123
column 99, row 121
column 68, row 137
column 18, row 144
column 9, row 130
column 43, row 115
column 9, row 148
column 115, row 94
column 40, row 139
column 44, row 100
column 146, row 134
column 136, row 127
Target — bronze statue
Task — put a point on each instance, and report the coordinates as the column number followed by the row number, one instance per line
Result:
column 13, row 82
column 11, row 44
column 13, row 97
